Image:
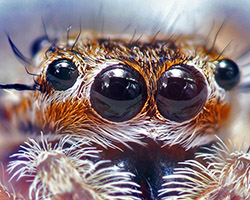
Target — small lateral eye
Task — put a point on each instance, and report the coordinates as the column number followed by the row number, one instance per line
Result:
column 181, row 93
column 62, row 74
column 38, row 44
column 118, row 93
column 227, row 74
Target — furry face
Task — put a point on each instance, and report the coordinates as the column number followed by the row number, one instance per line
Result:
column 123, row 119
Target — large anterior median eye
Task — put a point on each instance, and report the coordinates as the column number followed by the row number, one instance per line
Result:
column 181, row 93
column 62, row 74
column 118, row 93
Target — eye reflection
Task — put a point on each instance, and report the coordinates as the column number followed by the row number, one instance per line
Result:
column 227, row 74
column 181, row 93
column 118, row 93
column 62, row 74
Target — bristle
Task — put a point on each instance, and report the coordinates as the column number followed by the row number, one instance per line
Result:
column 5, row 194
column 78, row 35
column 17, row 53
column 19, row 87
column 225, row 176
column 69, row 173
column 7, row 191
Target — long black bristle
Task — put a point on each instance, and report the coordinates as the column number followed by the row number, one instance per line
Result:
column 19, row 87
column 45, row 30
column 17, row 53
column 216, row 36
column 248, row 150
column 78, row 35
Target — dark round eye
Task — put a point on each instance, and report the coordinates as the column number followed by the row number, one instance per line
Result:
column 118, row 93
column 227, row 74
column 38, row 44
column 181, row 93
column 62, row 74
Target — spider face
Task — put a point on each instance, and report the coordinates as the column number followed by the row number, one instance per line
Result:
column 135, row 90
column 130, row 112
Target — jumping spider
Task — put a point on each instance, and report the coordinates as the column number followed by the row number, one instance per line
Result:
column 112, row 118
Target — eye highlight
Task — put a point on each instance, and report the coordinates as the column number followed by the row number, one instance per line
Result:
column 62, row 74
column 118, row 93
column 181, row 93
column 227, row 74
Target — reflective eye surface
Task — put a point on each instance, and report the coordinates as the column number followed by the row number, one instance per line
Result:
column 181, row 93
column 118, row 93
column 62, row 74
column 227, row 74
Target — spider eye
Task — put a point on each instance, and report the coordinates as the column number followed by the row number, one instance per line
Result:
column 227, row 74
column 38, row 44
column 181, row 93
column 62, row 74
column 118, row 93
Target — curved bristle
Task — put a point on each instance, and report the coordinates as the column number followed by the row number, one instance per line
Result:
column 46, row 165
column 17, row 53
column 226, row 175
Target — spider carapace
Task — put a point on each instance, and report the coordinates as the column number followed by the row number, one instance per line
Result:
column 124, row 119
